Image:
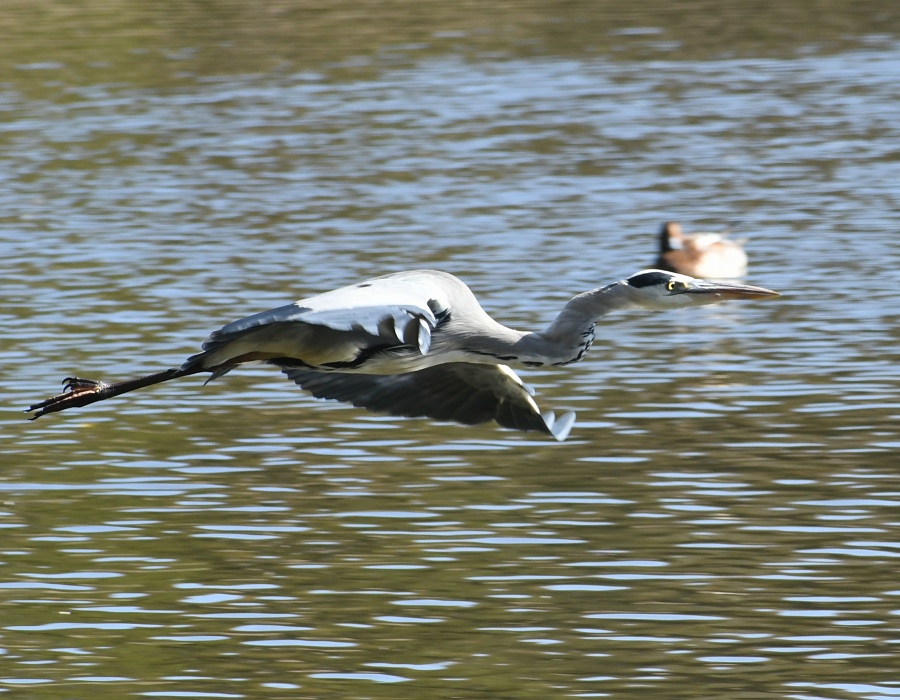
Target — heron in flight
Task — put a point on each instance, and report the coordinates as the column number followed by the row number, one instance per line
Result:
column 709, row 255
column 417, row 343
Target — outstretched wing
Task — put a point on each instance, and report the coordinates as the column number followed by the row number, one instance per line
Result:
column 457, row 391
column 337, row 328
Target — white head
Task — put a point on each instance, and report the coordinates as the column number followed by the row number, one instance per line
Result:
column 656, row 289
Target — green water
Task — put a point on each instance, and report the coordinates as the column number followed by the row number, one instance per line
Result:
column 722, row 522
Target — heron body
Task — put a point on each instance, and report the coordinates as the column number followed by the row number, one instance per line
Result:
column 709, row 255
column 417, row 343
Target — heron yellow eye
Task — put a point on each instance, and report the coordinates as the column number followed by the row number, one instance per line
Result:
column 675, row 285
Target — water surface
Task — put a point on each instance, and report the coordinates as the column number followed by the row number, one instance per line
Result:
column 722, row 521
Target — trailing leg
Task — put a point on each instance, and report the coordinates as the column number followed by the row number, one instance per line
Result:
column 82, row 392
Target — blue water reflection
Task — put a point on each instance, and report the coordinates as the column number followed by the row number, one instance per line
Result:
column 722, row 517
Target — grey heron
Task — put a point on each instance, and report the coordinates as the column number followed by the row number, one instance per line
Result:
column 417, row 343
column 709, row 255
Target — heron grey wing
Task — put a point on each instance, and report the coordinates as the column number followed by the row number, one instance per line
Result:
column 402, row 323
column 460, row 392
column 406, row 306
column 338, row 327
column 402, row 308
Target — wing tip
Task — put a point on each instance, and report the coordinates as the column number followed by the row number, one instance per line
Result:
column 424, row 338
column 560, row 428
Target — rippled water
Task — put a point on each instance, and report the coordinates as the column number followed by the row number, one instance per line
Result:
column 721, row 523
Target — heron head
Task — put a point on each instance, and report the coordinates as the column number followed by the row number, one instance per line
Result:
column 656, row 289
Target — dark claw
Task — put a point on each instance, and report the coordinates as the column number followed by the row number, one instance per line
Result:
column 74, row 384
column 80, row 392
column 73, row 388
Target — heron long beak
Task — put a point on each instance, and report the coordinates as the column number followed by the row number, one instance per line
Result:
column 724, row 290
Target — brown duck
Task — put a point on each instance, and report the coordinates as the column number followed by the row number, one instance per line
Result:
column 704, row 255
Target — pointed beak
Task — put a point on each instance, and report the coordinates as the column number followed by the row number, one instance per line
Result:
column 724, row 291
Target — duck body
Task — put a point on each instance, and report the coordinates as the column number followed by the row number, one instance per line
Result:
column 703, row 255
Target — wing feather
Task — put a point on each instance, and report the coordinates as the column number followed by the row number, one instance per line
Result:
column 457, row 391
column 338, row 326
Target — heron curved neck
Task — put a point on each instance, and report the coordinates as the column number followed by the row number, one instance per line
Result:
column 565, row 340
column 571, row 333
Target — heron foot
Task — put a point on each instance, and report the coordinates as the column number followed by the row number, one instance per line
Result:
column 79, row 384
column 74, row 389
